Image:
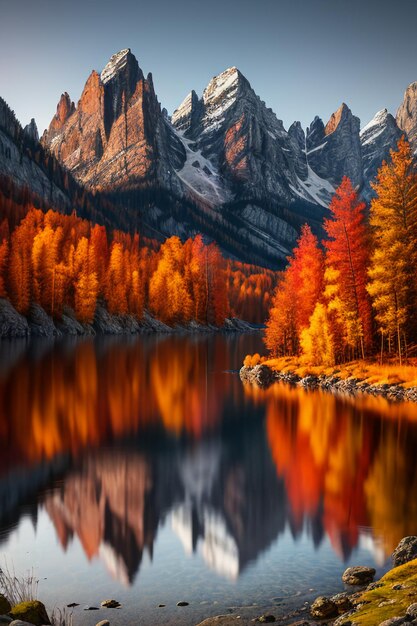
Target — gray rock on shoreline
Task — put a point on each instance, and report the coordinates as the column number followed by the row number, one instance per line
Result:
column 12, row 324
column 263, row 376
column 40, row 324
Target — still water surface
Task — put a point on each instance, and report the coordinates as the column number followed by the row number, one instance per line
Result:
column 141, row 469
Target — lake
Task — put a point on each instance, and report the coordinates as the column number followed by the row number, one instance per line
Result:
column 142, row 469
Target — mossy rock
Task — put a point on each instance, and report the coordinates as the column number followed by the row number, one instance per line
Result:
column 5, row 605
column 395, row 592
column 33, row 612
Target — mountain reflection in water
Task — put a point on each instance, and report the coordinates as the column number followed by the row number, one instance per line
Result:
column 115, row 437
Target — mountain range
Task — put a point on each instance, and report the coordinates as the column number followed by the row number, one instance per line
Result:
column 223, row 164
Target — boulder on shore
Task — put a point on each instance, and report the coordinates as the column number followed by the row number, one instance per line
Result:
column 33, row 612
column 358, row 575
column 40, row 324
column 405, row 551
column 5, row 605
column 323, row 607
column 12, row 324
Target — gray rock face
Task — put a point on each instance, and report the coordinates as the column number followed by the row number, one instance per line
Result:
column 407, row 115
column 69, row 325
column 298, row 140
column 12, row 324
column 17, row 163
column 245, row 142
column 31, row 131
column 40, row 324
column 377, row 138
column 187, row 114
column 405, row 551
column 334, row 150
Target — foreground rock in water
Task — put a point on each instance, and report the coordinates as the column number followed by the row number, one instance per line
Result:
column 391, row 601
column 323, row 607
column 358, row 575
column 33, row 612
column 5, row 605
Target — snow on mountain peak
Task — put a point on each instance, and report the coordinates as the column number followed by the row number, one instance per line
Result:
column 378, row 119
column 219, row 95
column 183, row 113
column 116, row 63
column 225, row 84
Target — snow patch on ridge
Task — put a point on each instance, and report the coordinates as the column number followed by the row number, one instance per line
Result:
column 314, row 188
column 199, row 175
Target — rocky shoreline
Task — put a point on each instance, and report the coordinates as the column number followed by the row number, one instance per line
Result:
column 390, row 601
column 13, row 325
column 263, row 376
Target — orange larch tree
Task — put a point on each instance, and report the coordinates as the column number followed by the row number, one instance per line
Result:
column 117, row 282
column 347, row 261
column 86, row 284
column 296, row 296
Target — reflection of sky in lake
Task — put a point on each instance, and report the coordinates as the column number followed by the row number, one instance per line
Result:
column 143, row 469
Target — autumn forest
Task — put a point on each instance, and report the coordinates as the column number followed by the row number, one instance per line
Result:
column 61, row 261
column 356, row 295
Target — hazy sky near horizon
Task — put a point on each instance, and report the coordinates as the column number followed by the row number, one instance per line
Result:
column 302, row 57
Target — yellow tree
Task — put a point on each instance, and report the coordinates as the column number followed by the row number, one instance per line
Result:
column 392, row 275
column 316, row 340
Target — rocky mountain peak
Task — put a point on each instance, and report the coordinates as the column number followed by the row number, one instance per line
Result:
column 342, row 112
column 334, row 150
column 380, row 118
column 183, row 116
column 377, row 138
column 315, row 132
column 223, row 91
column 224, row 85
column 31, row 131
column 64, row 109
column 296, row 132
column 407, row 115
column 116, row 63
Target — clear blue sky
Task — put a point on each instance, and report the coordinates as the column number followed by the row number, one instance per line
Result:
column 303, row 57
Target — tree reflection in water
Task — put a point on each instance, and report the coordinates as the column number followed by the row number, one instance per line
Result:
column 115, row 436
